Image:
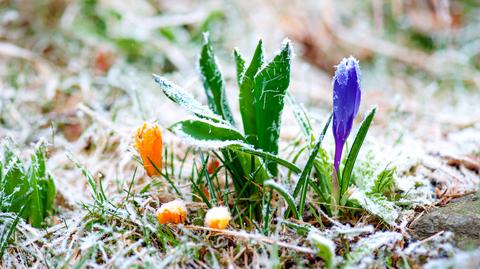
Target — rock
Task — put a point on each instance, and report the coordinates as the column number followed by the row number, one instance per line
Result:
column 461, row 216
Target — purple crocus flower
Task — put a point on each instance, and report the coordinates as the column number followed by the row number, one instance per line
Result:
column 346, row 100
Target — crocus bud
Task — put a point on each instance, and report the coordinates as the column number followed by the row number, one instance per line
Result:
column 218, row 217
column 212, row 166
column 173, row 212
column 148, row 141
column 346, row 101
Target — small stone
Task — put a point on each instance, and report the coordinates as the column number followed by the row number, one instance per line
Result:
column 461, row 216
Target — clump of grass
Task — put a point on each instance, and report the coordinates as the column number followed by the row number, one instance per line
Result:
column 249, row 156
column 28, row 191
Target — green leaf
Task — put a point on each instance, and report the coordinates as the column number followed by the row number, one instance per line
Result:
column 285, row 194
column 354, row 150
column 207, row 134
column 376, row 204
column 184, row 99
column 213, row 82
column 270, row 87
column 302, row 183
column 36, row 214
column 246, row 95
column 15, row 184
column 240, row 65
column 325, row 247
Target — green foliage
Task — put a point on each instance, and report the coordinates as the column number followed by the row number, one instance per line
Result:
column 270, row 87
column 245, row 78
column 251, row 156
column 26, row 190
column 328, row 193
column 213, row 82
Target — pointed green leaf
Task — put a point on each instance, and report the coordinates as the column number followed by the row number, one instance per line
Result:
column 36, row 213
column 213, row 82
column 184, row 99
column 354, row 150
column 270, row 87
column 246, row 95
column 240, row 65
column 207, row 134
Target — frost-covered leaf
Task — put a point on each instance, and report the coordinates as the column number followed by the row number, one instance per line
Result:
column 240, row 66
column 246, row 95
column 325, row 247
column 184, row 99
column 376, row 204
column 213, row 82
column 363, row 251
column 354, row 150
column 270, row 87
column 208, row 134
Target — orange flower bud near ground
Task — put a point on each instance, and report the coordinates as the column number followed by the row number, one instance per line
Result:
column 218, row 217
column 213, row 164
column 148, row 141
column 173, row 212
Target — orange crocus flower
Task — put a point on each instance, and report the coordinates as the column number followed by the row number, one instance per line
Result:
column 173, row 212
column 218, row 217
column 148, row 141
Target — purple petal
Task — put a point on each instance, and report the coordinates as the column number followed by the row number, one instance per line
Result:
column 346, row 102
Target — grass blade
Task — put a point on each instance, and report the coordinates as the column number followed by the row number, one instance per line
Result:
column 285, row 194
column 302, row 183
column 302, row 119
column 267, row 156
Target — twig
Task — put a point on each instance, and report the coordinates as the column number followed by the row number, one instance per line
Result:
column 431, row 237
column 255, row 237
